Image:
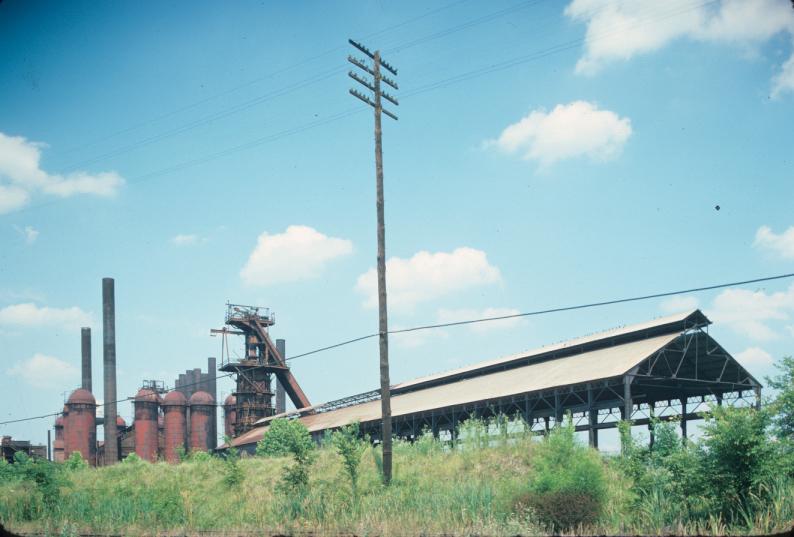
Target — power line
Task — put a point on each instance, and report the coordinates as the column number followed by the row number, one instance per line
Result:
column 245, row 105
column 486, row 319
column 260, row 79
column 423, row 89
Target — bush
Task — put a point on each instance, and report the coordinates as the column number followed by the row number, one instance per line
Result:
column 75, row 462
column 289, row 437
column 350, row 447
column 570, row 486
column 232, row 474
column 739, row 458
column 284, row 437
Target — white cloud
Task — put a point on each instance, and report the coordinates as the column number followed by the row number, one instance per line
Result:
column 299, row 253
column 42, row 371
column 750, row 312
column 12, row 198
column 21, row 176
column 784, row 81
column 451, row 316
column 29, row 233
column 754, row 357
column 570, row 130
column 427, row 276
column 782, row 244
column 185, row 240
column 621, row 29
column 29, row 314
column 679, row 303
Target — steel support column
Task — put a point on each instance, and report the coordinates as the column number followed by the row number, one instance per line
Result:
column 592, row 417
column 683, row 419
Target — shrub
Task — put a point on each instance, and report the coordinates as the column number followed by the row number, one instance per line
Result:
column 289, row 437
column 350, row 447
column 75, row 462
column 570, row 487
column 284, row 437
column 783, row 405
column 739, row 458
column 232, row 473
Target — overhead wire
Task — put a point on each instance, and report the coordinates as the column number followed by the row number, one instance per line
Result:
column 473, row 321
column 418, row 91
column 257, row 80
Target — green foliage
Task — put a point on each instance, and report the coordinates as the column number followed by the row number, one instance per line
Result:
column 350, row 447
column 783, row 404
column 131, row 459
column 232, row 473
column 566, row 474
column 739, row 457
column 289, row 438
column 75, row 462
column 284, row 437
column 181, row 453
column 200, row 456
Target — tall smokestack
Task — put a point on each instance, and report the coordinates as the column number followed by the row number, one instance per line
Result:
column 281, row 399
column 85, row 344
column 109, row 366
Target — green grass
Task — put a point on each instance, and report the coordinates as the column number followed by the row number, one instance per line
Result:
column 473, row 490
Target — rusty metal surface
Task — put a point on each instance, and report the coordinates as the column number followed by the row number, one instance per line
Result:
column 79, row 430
column 147, row 404
column 175, row 411
column 229, row 415
column 202, row 407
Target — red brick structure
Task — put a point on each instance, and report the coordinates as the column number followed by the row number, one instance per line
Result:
column 202, row 407
column 57, row 445
column 79, row 426
column 175, row 409
column 229, row 415
column 147, row 406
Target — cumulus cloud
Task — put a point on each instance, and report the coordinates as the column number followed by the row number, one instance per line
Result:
column 42, row 371
column 29, row 314
column 679, row 303
column 427, row 276
column 185, row 240
column 621, row 29
column 454, row 315
column 749, row 312
column 754, row 357
column 781, row 244
column 299, row 253
column 570, row 130
column 21, row 176
column 783, row 82
column 28, row 233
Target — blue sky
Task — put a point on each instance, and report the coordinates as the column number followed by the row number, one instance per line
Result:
column 547, row 154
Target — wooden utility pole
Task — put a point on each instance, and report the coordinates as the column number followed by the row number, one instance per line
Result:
column 383, row 325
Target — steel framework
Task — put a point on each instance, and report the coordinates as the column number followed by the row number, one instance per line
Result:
column 677, row 382
column 254, row 371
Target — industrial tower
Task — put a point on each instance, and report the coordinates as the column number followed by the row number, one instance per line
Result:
column 254, row 371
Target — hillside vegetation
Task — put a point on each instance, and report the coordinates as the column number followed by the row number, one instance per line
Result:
column 498, row 480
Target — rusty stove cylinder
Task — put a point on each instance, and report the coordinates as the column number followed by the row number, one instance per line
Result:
column 57, row 445
column 175, row 410
column 147, row 404
column 229, row 415
column 79, row 427
column 202, row 406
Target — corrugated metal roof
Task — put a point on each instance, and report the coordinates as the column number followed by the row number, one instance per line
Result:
column 583, row 340
column 585, row 367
